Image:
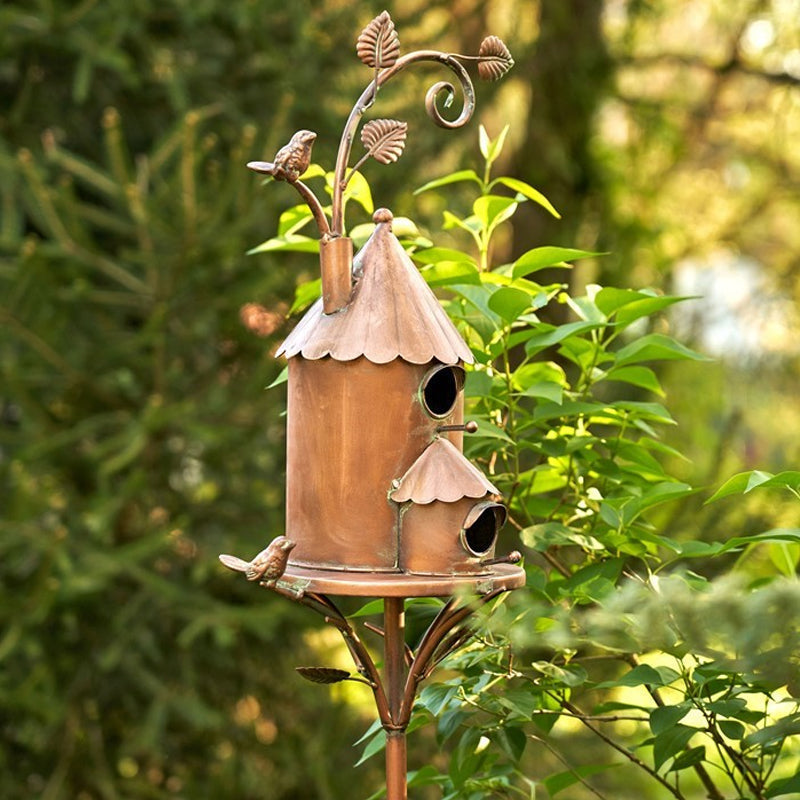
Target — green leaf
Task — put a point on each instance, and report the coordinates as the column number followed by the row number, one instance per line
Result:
column 293, row 219
column 358, row 190
column 291, row 243
column 629, row 305
column 433, row 255
column 643, row 377
column 451, row 273
column 305, row 294
column 784, row 786
column 282, row 378
column 546, row 390
column 374, row 746
column 520, row 701
column 785, row 557
column 664, row 717
column 732, row 728
column 770, row 734
column 551, row 335
column 747, row 481
column 660, row 493
column 543, row 257
column 553, row 534
column 493, row 209
column 453, row 177
column 643, row 675
column 528, row 192
column 484, row 142
column 491, row 148
column 368, row 609
column 437, row 697
column 670, row 742
column 512, row 740
column 509, row 303
column 592, row 583
column 688, row 758
column 489, row 431
column 656, row 347
column 571, row 675
column 563, row 780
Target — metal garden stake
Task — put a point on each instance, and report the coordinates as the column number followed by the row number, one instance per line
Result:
column 380, row 500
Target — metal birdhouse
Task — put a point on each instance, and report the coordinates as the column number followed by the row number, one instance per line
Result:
column 380, row 499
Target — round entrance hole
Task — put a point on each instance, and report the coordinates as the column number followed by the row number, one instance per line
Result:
column 440, row 388
column 482, row 526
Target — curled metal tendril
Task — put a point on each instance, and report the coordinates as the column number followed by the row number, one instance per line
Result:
column 434, row 95
column 446, row 88
column 378, row 47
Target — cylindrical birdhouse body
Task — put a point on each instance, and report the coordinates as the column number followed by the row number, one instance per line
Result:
column 377, row 484
column 353, row 427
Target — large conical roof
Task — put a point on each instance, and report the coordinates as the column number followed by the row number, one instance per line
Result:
column 443, row 473
column 392, row 313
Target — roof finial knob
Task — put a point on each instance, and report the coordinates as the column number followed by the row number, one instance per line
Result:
column 382, row 215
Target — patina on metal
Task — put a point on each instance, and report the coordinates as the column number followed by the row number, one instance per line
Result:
column 380, row 500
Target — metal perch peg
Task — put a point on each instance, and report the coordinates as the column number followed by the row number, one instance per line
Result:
column 267, row 566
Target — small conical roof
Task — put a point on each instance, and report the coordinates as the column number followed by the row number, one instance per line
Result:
column 443, row 473
column 392, row 313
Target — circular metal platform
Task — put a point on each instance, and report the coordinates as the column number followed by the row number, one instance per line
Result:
column 379, row 584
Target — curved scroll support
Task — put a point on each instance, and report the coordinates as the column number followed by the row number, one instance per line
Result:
column 451, row 61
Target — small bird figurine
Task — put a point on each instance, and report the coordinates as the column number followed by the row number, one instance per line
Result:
column 268, row 565
column 291, row 161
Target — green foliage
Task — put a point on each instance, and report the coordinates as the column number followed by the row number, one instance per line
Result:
column 690, row 681
column 136, row 442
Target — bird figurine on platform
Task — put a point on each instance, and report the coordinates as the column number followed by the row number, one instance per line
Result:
column 268, row 566
column 291, row 161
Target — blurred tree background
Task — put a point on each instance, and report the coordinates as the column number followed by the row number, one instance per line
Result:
column 136, row 441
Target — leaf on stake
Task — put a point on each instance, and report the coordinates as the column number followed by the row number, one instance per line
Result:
column 378, row 45
column 327, row 675
column 384, row 139
column 495, row 57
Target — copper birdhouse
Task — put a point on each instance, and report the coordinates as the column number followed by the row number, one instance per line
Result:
column 373, row 482
column 380, row 499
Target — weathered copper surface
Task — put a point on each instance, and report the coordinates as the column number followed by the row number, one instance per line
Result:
column 442, row 473
column 393, row 314
column 336, row 261
column 352, row 428
column 432, row 542
column 502, row 577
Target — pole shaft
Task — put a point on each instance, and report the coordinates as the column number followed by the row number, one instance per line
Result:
column 394, row 665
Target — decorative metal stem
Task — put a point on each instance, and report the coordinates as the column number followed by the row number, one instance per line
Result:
column 368, row 97
column 393, row 648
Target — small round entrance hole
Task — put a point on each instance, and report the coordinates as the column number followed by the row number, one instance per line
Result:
column 480, row 533
column 440, row 390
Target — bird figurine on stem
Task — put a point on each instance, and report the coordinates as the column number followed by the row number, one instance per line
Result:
column 291, row 161
column 268, row 566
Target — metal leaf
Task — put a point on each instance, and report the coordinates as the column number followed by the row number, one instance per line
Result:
column 323, row 674
column 378, row 45
column 384, row 139
column 495, row 58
